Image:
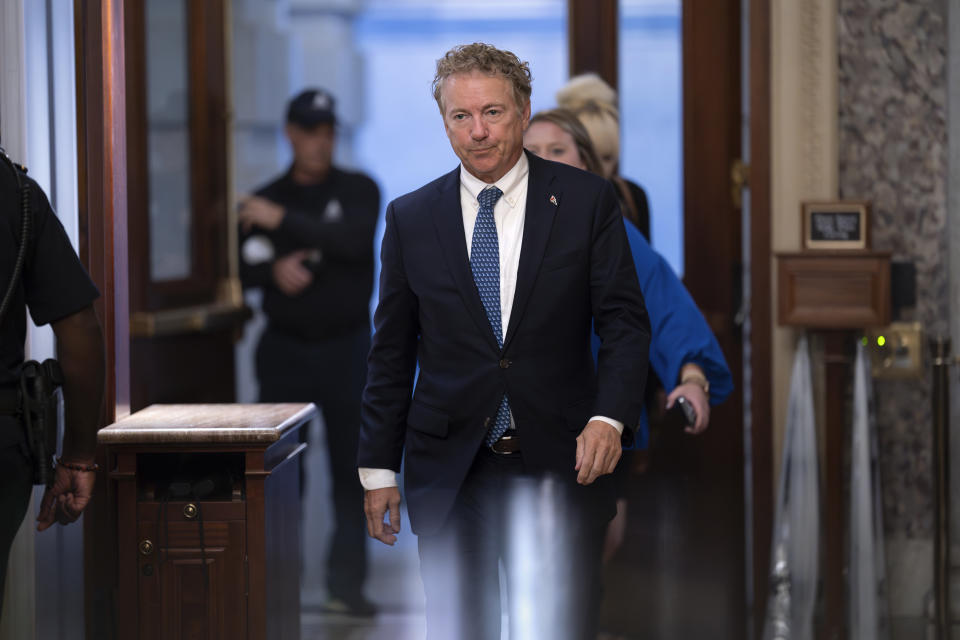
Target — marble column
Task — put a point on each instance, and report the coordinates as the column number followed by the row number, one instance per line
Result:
column 893, row 152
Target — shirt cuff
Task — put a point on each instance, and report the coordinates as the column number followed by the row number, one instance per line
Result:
column 377, row 478
column 616, row 424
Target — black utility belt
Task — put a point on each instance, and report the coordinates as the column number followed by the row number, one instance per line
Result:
column 36, row 405
column 9, row 401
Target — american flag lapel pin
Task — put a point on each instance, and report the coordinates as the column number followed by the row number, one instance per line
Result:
column 553, row 199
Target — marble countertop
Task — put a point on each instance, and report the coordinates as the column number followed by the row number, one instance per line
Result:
column 207, row 423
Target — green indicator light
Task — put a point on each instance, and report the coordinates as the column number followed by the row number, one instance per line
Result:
column 863, row 340
column 881, row 341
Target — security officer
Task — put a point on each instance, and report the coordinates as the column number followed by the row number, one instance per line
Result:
column 53, row 285
column 307, row 241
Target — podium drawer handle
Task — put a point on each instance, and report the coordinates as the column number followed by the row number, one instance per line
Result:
column 190, row 511
column 146, row 547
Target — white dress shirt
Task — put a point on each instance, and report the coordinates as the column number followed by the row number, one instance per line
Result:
column 508, row 215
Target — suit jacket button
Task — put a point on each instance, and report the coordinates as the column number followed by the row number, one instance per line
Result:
column 505, row 364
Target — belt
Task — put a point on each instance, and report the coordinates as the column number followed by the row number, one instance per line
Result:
column 506, row 445
column 9, row 401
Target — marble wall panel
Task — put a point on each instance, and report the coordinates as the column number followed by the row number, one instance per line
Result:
column 893, row 152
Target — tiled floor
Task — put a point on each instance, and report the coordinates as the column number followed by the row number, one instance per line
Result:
column 394, row 584
column 389, row 626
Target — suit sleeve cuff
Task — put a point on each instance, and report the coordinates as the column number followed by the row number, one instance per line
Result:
column 616, row 424
column 377, row 478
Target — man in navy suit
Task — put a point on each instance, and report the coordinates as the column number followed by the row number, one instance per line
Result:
column 491, row 277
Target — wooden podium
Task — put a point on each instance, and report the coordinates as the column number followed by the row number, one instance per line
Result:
column 208, row 521
column 837, row 294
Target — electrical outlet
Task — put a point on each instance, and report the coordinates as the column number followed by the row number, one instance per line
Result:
column 896, row 351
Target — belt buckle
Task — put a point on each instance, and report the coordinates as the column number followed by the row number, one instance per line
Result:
column 506, row 445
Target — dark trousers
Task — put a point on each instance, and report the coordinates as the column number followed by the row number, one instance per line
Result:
column 549, row 550
column 16, row 484
column 330, row 374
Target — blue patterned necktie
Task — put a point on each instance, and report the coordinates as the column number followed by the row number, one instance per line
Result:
column 485, row 264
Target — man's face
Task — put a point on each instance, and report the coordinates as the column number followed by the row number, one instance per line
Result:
column 483, row 122
column 312, row 149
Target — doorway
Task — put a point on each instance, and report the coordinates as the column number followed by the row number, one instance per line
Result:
column 710, row 266
column 184, row 297
column 685, row 569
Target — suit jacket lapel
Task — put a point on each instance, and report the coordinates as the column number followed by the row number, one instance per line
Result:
column 543, row 198
column 448, row 219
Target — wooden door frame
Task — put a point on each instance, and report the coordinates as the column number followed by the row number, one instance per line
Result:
column 761, row 315
column 102, row 202
column 593, row 27
column 712, row 71
column 207, row 122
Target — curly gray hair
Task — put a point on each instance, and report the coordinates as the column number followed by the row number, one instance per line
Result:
column 486, row 59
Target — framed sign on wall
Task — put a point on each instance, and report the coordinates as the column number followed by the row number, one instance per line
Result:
column 836, row 225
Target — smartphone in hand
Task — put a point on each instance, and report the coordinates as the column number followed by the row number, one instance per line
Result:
column 689, row 413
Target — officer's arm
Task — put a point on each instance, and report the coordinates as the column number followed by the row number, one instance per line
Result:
column 80, row 350
column 348, row 239
column 81, row 357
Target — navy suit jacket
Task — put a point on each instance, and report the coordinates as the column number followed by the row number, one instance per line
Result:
column 575, row 267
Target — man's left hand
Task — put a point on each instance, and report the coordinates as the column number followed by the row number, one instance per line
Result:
column 598, row 450
column 255, row 211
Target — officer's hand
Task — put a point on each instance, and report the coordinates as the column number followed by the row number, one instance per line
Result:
column 260, row 212
column 289, row 274
column 598, row 450
column 69, row 495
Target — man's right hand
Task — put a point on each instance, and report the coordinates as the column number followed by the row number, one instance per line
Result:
column 289, row 274
column 376, row 504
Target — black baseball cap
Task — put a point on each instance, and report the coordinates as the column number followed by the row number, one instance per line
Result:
column 310, row 108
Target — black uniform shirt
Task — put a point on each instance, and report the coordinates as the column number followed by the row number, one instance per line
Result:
column 335, row 220
column 53, row 284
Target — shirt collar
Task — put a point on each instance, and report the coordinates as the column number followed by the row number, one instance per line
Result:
column 508, row 183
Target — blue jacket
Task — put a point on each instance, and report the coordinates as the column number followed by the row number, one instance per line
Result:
column 679, row 333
